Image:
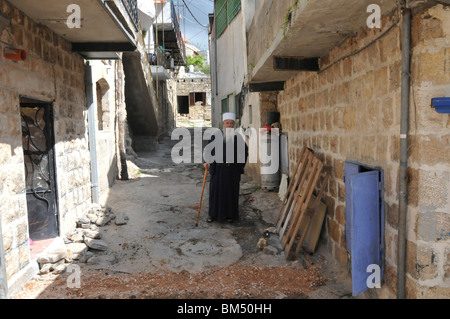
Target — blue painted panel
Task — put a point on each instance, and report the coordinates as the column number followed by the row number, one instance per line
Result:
column 349, row 170
column 365, row 230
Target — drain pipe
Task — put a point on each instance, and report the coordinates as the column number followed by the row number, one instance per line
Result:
column 90, row 102
column 404, row 128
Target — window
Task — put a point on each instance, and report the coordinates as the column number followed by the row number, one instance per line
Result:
column 197, row 97
column 225, row 11
column 225, row 105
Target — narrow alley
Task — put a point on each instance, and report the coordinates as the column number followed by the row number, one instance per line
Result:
column 158, row 252
column 345, row 109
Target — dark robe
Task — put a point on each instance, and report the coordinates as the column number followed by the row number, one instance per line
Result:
column 224, row 185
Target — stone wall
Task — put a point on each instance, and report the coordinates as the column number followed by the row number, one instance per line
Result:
column 351, row 111
column 51, row 72
column 187, row 85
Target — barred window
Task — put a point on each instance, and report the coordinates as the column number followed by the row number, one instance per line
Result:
column 225, row 10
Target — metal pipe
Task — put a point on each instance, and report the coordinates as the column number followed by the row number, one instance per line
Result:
column 92, row 106
column 404, row 128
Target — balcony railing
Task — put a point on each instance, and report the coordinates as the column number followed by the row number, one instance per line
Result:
column 177, row 29
column 132, row 9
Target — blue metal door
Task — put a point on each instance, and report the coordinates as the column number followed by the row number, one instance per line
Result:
column 365, row 229
column 350, row 169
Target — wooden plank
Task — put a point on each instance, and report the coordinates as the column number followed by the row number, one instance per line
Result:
column 301, row 182
column 294, row 176
column 310, row 214
column 314, row 228
column 298, row 216
column 297, row 201
column 288, row 197
column 296, row 225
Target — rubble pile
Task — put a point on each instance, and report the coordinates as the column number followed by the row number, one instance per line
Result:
column 82, row 244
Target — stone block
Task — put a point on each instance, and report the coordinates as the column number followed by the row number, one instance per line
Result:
column 53, row 255
column 382, row 148
column 431, row 67
column 368, row 147
column 333, row 230
column 426, row 263
column 76, row 250
column 339, row 215
column 391, row 212
column 389, row 45
column 97, row 244
column 381, row 81
column 431, row 149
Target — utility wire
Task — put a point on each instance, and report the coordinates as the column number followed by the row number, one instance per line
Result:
column 193, row 15
column 362, row 49
column 187, row 19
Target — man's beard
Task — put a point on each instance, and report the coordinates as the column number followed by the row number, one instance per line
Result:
column 228, row 135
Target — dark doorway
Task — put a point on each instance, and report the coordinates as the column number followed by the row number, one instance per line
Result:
column 183, row 104
column 38, row 148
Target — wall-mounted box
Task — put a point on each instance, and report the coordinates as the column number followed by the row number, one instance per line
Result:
column 441, row 104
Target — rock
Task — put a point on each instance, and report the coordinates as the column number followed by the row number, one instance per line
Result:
column 53, row 255
column 270, row 250
column 262, row 242
column 102, row 220
column 49, row 267
column 86, row 257
column 77, row 238
column 92, row 217
column 121, row 220
column 45, row 269
column 76, row 250
column 60, row 269
column 82, row 220
column 97, row 244
column 92, row 234
column 105, row 259
column 272, row 230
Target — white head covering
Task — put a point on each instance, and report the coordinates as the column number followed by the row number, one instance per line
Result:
column 228, row 116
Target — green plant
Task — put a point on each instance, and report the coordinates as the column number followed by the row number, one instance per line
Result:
column 198, row 62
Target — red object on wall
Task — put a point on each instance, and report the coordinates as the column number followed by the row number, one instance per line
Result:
column 15, row 54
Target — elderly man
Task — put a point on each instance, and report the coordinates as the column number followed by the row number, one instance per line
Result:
column 226, row 176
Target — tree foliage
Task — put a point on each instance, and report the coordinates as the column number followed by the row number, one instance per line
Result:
column 198, row 62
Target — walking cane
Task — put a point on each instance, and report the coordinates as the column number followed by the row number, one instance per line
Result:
column 200, row 205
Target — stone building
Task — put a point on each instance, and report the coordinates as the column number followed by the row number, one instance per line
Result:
column 333, row 71
column 65, row 118
column 193, row 91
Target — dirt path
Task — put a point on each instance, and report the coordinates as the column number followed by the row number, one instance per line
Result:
column 160, row 253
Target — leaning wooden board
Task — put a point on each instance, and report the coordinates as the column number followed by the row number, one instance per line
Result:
column 296, row 211
column 313, row 234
